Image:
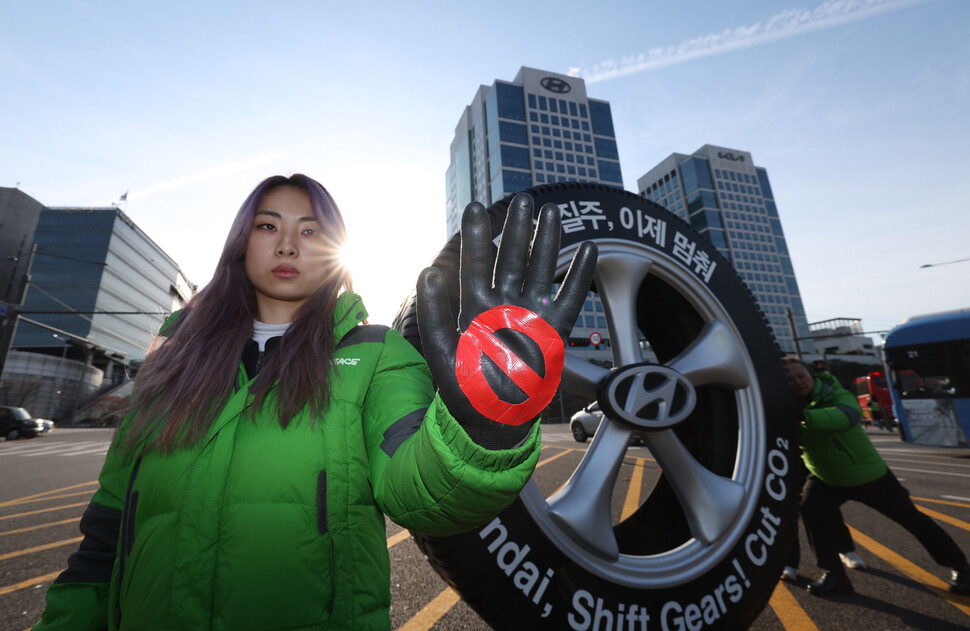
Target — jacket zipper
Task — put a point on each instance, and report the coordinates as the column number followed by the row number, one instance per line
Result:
column 840, row 447
column 333, row 576
column 324, row 529
column 127, row 534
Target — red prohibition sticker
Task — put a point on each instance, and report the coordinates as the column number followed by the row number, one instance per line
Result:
column 479, row 340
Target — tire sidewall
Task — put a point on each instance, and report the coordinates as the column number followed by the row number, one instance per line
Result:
column 515, row 577
column 578, row 432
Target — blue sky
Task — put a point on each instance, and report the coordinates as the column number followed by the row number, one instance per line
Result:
column 858, row 109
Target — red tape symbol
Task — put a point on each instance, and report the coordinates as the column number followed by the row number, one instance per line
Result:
column 480, row 340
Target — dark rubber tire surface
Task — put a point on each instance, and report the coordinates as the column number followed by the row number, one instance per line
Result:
column 579, row 433
column 529, row 569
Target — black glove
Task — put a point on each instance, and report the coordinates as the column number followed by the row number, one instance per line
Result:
column 505, row 367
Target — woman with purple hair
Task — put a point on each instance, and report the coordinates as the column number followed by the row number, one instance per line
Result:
column 272, row 429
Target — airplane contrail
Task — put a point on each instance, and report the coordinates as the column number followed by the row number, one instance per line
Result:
column 784, row 25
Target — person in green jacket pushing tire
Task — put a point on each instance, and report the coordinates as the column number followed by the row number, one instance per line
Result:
column 272, row 429
column 843, row 465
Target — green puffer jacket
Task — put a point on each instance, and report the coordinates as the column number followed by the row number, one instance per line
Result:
column 257, row 527
column 835, row 446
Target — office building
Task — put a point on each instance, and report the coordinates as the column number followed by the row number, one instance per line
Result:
column 728, row 199
column 539, row 128
column 99, row 291
column 19, row 214
column 98, row 277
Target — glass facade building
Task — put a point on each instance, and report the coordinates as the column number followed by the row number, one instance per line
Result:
column 728, row 199
column 98, row 277
column 540, row 128
column 537, row 129
column 19, row 214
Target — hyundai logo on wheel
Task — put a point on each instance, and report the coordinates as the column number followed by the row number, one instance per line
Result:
column 648, row 396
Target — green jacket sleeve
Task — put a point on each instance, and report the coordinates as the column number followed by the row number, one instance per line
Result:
column 78, row 599
column 834, row 409
column 428, row 475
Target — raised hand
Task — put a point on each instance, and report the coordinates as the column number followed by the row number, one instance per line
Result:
column 501, row 366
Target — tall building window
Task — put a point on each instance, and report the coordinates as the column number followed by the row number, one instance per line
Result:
column 513, row 132
column 510, row 101
column 765, row 185
column 610, row 171
column 602, row 118
column 606, row 148
column 696, row 174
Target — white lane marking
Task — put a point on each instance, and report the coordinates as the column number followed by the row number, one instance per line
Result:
column 957, row 475
column 98, row 450
column 60, row 449
column 930, row 460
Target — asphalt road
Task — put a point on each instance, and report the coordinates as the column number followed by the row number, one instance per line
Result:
column 45, row 484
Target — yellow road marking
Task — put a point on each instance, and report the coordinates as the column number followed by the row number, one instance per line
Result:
column 393, row 540
column 551, row 458
column 789, row 612
column 953, row 521
column 38, row 527
column 30, row 582
column 632, row 502
column 935, row 501
column 432, row 612
column 20, row 500
column 45, row 499
column 46, row 546
column 44, row 510
column 915, row 572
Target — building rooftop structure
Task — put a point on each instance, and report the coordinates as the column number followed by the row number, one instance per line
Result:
column 842, row 336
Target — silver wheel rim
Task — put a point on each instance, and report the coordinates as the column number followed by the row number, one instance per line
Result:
column 577, row 518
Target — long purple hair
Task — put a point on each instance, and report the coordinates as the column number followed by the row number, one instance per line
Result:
column 186, row 381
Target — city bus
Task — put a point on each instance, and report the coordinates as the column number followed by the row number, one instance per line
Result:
column 928, row 358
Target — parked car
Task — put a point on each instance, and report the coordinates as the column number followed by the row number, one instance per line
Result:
column 584, row 423
column 17, row 422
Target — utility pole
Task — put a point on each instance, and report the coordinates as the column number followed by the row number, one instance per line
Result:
column 11, row 314
column 794, row 334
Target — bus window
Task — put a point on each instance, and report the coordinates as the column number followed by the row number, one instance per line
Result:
column 928, row 371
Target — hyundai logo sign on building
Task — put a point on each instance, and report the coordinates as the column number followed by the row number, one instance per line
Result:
column 555, row 84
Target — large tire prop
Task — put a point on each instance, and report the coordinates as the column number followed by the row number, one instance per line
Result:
column 707, row 545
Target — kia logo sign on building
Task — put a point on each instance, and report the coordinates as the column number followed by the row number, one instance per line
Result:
column 555, row 84
column 729, row 156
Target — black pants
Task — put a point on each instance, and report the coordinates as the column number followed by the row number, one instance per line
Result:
column 840, row 541
column 822, row 516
